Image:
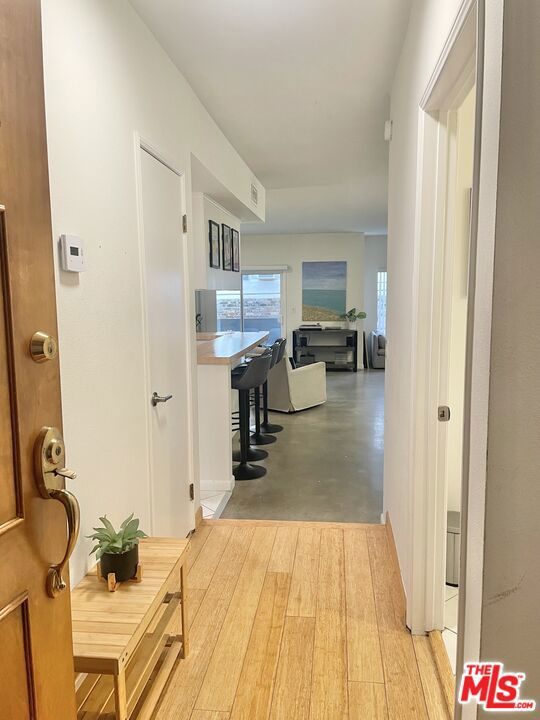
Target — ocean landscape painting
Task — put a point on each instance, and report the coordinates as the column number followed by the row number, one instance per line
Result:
column 324, row 290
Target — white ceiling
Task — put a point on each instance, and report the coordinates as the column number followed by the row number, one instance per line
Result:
column 301, row 89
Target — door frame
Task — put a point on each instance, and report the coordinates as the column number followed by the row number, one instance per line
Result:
column 141, row 144
column 481, row 39
column 478, row 358
column 450, row 82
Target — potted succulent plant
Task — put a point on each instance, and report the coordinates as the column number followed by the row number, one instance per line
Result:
column 118, row 552
column 352, row 316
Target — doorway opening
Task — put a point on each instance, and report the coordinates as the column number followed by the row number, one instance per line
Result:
column 461, row 124
column 326, row 464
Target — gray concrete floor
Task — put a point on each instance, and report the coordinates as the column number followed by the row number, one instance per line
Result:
column 327, row 463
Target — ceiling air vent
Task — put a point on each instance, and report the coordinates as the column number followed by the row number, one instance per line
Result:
column 254, row 194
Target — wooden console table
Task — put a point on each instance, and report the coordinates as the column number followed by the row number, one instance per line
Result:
column 125, row 638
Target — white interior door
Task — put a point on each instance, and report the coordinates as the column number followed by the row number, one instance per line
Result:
column 165, row 269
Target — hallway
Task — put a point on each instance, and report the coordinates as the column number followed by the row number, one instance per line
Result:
column 327, row 464
column 298, row 621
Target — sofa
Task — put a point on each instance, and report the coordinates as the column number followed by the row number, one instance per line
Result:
column 377, row 350
column 293, row 389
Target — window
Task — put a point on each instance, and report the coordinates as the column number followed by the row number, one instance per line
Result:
column 382, row 283
column 261, row 303
column 229, row 310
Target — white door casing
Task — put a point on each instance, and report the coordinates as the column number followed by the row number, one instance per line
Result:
column 164, row 271
column 451, row 81
column 428, row 498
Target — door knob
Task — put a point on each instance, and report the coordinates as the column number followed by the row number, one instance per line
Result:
column 50, row 470
column 159, row 398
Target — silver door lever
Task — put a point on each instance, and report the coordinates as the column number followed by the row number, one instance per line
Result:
column 159, row 398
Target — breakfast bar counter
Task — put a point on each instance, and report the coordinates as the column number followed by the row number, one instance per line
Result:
column 217, row 354
column 226, row 348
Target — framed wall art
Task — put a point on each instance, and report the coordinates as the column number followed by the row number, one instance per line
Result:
column 235, row 250
column 213, row 238
column 324, row 290
column 226, row 246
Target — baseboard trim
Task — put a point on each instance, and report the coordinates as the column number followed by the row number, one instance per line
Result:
column 395, row 562
column 444, row 669
column 198, row 517
column 218, row 486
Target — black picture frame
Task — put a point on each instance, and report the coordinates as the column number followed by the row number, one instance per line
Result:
column 235, row 250
column 214, row 242
column 226, row 246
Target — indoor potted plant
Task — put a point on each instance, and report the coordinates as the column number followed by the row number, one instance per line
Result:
column 352, row 316
column 118, row 552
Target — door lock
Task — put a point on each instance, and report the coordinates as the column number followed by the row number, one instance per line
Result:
column 43, row 347
column 443, row 413
column 50, row 471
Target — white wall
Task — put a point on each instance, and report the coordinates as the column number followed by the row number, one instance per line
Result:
column 429, row 26
column 207, row 278
column 511, row 589
column 105, row 78
column 292, row 250
column 374, row 261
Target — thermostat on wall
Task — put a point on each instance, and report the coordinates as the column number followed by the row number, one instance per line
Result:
column 72, row 253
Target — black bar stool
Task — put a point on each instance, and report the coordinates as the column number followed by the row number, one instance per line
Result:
column 266, row 426
column 253, row 454
column 244, row 379
column 258, row 437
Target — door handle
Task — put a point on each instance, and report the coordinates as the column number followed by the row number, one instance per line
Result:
column 55, row 580
column 50, row 471
column 159, row 398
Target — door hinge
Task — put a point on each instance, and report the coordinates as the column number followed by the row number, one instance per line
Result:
column 443, row 413
column 191, row 492
column 184, row 223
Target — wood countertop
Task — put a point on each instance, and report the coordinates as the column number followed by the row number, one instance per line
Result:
column 226, row 348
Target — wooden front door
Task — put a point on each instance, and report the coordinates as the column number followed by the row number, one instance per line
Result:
column 36, row 659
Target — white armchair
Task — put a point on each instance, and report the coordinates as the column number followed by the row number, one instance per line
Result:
column 292, row 390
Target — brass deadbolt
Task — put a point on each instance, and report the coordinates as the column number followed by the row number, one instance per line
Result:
column 43, row 347
column 49, row 460
column 55, row 451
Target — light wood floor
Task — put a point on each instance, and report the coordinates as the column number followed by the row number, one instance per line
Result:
column 299, row 621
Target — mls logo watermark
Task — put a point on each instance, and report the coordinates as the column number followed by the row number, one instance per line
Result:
column 489, row 685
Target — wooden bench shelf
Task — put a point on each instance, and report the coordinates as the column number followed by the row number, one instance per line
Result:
column 128, row 642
